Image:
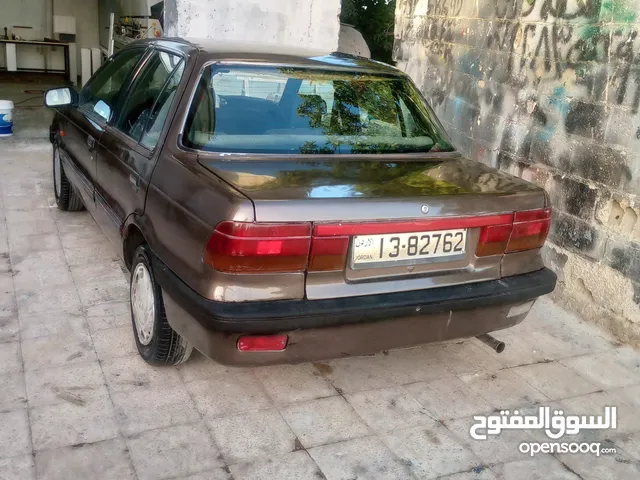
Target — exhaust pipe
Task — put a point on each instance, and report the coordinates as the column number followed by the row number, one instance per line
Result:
column 491, row 342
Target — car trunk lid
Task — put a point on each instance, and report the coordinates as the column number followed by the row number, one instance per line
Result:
column 391, row 202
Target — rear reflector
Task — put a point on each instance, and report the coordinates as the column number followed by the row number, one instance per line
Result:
column 262, row 343
column 238, row 247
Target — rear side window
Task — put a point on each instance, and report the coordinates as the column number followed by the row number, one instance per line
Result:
column 250, row 109
column 101, row 92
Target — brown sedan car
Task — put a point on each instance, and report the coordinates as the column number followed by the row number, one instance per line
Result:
column 280, row 208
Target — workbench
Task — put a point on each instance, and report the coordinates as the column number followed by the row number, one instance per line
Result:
column 12, row 62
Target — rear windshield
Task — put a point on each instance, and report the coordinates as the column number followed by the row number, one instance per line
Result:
column 248, row 109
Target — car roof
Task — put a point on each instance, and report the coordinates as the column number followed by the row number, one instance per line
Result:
column 278, row 55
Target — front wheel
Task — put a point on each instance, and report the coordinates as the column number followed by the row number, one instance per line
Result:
column 157, row 342
column 67, row 198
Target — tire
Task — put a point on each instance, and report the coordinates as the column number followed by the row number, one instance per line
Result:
column 157, row 342
column 67, row 198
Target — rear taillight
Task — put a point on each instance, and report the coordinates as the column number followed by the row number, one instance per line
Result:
column 239, row 247
column 328, row 253
column 528, row 231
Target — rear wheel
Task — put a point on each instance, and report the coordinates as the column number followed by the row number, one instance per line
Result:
column 157, row 342
column 67, row 198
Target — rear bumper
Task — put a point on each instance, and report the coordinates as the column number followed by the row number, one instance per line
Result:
column 321, row 329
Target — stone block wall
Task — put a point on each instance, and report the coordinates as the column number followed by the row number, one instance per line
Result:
column 548, row 90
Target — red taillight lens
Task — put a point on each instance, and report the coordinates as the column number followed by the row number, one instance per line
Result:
column 530, row 230
column 328, row 253
column 262, row 343
column 239, row 247
column 493, row 240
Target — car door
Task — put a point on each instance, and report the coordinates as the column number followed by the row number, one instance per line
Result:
column 86, row 123
column 128, row 146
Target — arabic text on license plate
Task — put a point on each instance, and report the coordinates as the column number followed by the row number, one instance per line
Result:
column 408, row 248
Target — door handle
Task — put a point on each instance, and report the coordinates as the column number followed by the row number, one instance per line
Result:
column 91, row 142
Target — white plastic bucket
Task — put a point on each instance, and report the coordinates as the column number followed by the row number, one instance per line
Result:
column 6, row 118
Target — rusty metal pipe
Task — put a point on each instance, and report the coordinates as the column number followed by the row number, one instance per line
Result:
column 491, row 342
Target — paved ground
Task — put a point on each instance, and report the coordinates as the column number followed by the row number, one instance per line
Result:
column 77, row 402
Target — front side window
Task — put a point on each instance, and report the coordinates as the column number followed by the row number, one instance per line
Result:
column 101, row 93
column 248, row 109
column 147, row 105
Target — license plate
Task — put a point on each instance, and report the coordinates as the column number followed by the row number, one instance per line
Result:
column 408, row 248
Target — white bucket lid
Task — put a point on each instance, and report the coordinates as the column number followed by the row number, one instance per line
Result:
column 6, row 104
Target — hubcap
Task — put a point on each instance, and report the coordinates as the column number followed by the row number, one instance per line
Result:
column 142, row 303
column 57, row 172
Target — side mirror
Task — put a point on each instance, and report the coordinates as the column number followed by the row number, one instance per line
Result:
column 60, row 97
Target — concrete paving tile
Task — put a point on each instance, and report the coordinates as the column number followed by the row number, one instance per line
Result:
column 25, row 202
column 602, row 369
column 15, row 439
column 430, row 452
column 26, row 246
column 555, row 380
column 467, row 357
column 520, row 350
column 147, row 408
column 115, row 342
column 106, row 460
column 361, row 458
column 48, row 299
column 628, row 357
column 89, row 253
column 14, row 217
column 294, row 383
column 630, row 443
column 251, row 435
column 504, row 389
column 29, row 280
column 81, row 232
column 629, row 395
column 229, row 393
column 9, row 328
column 477, row 473
column 496, row 448
column 44, row 352
column 108, row 315
column 173, row 451
column 113, row 290
column 540, row 467
column 14, row 468
column 60, row 323
column 594, row 403
column 323, row 421
column 132, row 373
column 200, row 367
column 292, row 466
column 75, row 383
column 448, row 397
column 389, row 409
column 356, row 374
column 13, row 394
column 619, row 465
column 23, row 229
column 10, row 359
column 69, row 423
column 217, row 474
column 415, row 364
column 97, row 273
